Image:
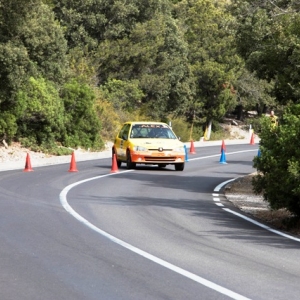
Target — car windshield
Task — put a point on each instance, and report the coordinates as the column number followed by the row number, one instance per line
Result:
column 158, row 131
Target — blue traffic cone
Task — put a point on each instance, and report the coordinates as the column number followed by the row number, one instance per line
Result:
column 223, row 157
column 186, row 153
column 258, row 153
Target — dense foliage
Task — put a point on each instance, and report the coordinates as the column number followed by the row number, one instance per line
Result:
column 62, row 61
column 35, row 69
column 268, row 39
column 65, row 65
column 279, row 163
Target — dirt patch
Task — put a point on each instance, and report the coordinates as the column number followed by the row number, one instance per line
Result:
column 15, row 152
column 240, row 194
column 236, row 132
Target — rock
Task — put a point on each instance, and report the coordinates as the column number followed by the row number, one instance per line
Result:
column 5, row 144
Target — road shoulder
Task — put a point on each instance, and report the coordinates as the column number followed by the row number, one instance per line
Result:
column 240, row 193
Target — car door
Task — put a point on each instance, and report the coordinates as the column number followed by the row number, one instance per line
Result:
column 125, row 140
column 122, row 141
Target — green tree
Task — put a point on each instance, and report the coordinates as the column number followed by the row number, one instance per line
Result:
column 8, row 126
column 135, row 41
column 268, row 38
column 278, row 165
column 44, row 41
column 12, row 17
column 155, row 54
column 39, row 112
column 82, row 126
column 15, row 67
column 33, row 46
column 89, row 22
column 123, row 95
column 253, row 93
column 212, row 54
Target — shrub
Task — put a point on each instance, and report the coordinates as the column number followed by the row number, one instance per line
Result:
column 39, row 111
column 181, row 129
column 47, row 148
column 82, row 125
column 278, row 165
column 256, row 124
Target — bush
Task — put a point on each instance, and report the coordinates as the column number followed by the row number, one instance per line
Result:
column 219, row 133
column 39, row 111
column 47, row 148
column 256, row 124
column 278, row 165
column 8, row 126
column 181, row 129
column 112, row 119
column 82, row 125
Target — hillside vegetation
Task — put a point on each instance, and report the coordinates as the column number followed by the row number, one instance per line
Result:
column 72, row 71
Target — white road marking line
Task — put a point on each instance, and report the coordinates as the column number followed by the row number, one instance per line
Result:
column 219, row 204
column 194, row 277
column 216, row 199
column 261, row 225
column 218, row 188
column 215, row 195
column 210, row 156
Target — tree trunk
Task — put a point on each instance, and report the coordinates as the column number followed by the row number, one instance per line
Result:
column 239, row 112
column 208, row 130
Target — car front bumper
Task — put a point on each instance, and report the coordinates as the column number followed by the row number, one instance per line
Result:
column 157, row 157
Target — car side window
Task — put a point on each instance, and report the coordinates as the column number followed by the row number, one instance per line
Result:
column 121, row 132
column 125, row 132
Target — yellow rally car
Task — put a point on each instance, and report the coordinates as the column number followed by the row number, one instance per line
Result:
column 148, row 143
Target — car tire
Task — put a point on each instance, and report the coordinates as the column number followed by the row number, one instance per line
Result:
column 119, row 162
column 179, row 167
column 130, row 164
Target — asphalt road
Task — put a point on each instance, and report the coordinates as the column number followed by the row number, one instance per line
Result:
column 141, row 234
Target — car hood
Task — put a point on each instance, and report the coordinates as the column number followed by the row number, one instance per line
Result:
column 156, row 143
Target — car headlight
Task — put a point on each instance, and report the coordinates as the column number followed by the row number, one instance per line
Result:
column 139, row 148
column 179, row 149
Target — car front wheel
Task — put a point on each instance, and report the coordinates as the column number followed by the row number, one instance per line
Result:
column 130, row 164
column 119, row 162
column 179, row 167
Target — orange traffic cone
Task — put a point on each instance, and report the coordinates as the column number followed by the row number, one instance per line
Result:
column 252, row 142
column 73, row 164
column 114, row 167
column 28, row 164
column 192, row 148
column 223, row 147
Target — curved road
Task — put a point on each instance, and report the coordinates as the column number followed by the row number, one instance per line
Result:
column 141, row 234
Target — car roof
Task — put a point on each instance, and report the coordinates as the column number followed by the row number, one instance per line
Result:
column 144, row 122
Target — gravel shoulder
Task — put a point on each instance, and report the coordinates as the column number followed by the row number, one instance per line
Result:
column 240, row 193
